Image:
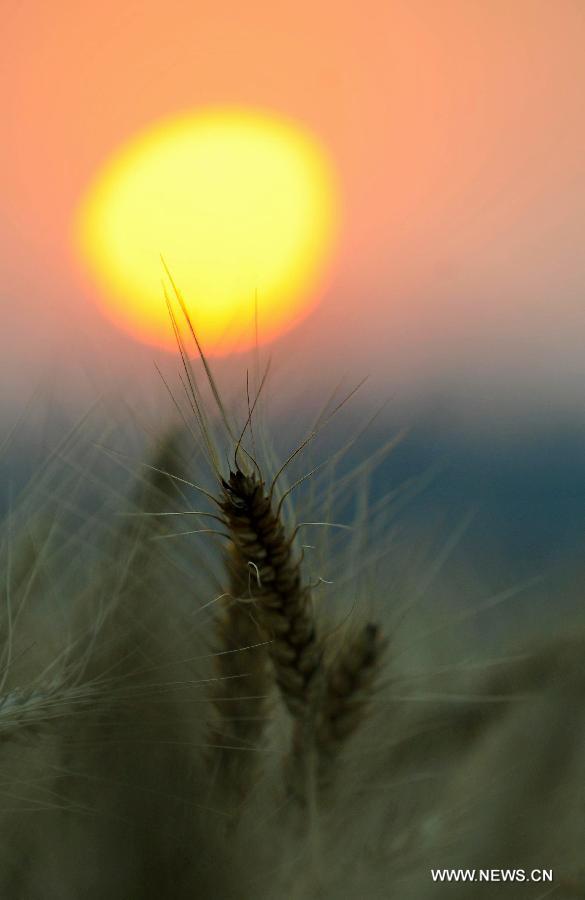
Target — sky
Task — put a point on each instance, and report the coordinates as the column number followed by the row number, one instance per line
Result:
column 457, row 134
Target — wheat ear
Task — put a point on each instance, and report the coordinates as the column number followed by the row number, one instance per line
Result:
column 348, row 691
column 264, row 557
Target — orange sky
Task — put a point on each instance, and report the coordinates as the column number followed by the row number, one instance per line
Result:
column 456, row 126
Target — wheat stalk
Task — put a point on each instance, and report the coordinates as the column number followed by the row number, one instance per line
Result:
column 239, row 696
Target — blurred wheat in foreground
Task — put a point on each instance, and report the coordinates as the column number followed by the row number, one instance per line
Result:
column 196, row 700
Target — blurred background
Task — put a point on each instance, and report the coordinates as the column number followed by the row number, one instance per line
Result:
column 457, row 134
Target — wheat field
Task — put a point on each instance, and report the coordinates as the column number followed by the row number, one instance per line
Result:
column 215, row 687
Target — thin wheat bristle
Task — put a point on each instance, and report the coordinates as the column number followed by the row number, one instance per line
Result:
column 21, row 709
column 27, row 710
column 264, row 561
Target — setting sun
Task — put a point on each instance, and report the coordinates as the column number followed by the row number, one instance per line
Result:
column 243, row 208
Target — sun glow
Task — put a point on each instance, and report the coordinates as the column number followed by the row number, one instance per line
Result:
column 242, row 207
